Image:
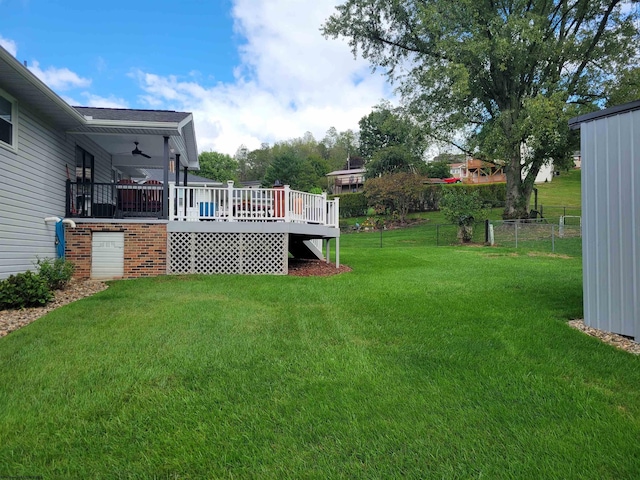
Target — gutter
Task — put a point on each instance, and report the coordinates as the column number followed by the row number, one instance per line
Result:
column 29, row 77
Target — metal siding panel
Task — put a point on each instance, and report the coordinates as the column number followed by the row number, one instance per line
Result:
column 612, row 209
column 625, row 243
column 611, row 223
column 588, row 145
column 634, row 218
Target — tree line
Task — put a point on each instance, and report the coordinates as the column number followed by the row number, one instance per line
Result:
column 387, row 142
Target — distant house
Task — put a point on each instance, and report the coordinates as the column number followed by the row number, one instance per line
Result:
column 545, row 174
column 479, row 171
column 346, row 181
column 458, row 170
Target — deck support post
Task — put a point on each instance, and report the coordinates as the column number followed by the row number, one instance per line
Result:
column 337, row 252
column 326, row 250
column 177, row 168
column 165, row 197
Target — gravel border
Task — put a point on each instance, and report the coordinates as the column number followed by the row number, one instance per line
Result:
column 11, row 320
column 618, row 341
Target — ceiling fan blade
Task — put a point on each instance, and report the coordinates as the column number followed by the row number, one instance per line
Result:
column 145, row 155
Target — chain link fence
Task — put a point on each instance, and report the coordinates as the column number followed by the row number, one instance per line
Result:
column 565, row 237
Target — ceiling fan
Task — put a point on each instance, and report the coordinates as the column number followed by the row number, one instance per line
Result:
column 137, row 151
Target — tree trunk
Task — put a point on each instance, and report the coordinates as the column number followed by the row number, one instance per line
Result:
column 518, row 193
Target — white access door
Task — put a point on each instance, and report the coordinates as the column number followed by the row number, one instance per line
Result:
column 107, row 255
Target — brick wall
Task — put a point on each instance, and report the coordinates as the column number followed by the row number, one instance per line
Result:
column 145, row 247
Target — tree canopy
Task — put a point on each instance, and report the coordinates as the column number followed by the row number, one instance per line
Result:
column 218, row 166
column 496, row 78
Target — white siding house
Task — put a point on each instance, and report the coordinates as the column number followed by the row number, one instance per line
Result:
column 40, row 137
column 75, row 163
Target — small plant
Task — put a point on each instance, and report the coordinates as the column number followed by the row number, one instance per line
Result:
column 23, row 290
column 57, row 273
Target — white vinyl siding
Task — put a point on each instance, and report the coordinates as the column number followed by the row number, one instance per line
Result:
column 32, row 187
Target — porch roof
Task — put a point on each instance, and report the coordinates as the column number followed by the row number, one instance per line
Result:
column 113, row 129
column 116, row 130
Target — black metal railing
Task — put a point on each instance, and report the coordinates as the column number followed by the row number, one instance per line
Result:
column 114, row 200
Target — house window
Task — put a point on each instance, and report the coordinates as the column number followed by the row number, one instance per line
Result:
column 84, row 165
column 7, row 120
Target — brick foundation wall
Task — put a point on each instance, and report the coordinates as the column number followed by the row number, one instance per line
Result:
column 145, row 247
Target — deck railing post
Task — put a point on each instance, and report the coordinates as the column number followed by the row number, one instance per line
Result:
column 173, row 202
column 288, row 203
column 323, row 209
column 336, row 213
column 229, row 201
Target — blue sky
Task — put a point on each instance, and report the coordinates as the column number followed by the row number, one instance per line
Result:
column 251, row 71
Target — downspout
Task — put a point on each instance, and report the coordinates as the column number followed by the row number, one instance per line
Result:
column 59, row 240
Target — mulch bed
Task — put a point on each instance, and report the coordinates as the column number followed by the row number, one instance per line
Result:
column 314, row 268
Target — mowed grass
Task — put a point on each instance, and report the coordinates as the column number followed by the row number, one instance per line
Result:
column 423, row 362
column 563, row 190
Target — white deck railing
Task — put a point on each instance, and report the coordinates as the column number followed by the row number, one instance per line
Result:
column 232, row 204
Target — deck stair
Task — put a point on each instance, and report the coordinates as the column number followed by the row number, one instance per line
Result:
column 301, row 247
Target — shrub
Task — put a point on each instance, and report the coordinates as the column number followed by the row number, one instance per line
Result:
column 462, row 207
column 57, row 273
column 23, row 290
column 352, row 204
column 490, row 194
column 396, row 192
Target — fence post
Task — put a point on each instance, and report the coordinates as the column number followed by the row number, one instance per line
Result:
column 553, row 239
column 486, row 231
column 516, row 227
column 437, row 235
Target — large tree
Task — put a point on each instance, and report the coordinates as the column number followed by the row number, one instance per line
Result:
column 496, row 78
column 387, row 126
column 218, row 166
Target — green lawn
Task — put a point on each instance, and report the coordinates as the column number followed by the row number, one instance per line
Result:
column 423, row 362
column 562, row 191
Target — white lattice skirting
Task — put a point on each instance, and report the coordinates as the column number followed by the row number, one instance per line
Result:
column 220, row 253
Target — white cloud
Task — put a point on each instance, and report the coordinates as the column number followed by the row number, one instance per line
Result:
column 59, row 78
column 9, row 45
column 291, row 80
column 104, row 102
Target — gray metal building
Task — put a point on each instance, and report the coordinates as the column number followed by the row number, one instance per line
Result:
column 610, row 149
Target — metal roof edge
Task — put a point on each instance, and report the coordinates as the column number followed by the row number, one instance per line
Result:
column 574, row 123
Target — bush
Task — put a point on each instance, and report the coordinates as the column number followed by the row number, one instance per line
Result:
column 57, row 273
column 463, row 207
column 23, row 290
column 490, row 194
column 352, row 204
